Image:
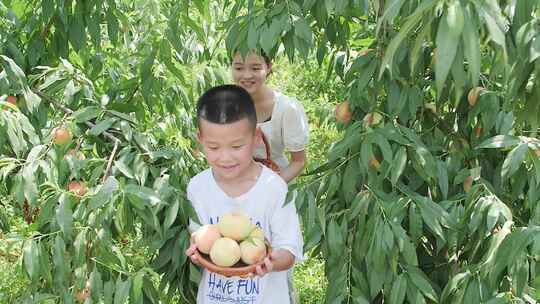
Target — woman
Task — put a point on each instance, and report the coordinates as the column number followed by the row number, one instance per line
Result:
column 281, row 119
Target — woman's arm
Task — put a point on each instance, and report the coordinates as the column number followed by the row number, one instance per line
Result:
column 296, row 165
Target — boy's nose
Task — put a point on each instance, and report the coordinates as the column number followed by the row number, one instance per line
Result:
column 225, row 156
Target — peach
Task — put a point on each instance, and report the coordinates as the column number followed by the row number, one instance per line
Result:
column 256, row 232
column 61, row 136
column 478, row 131
column 236, row 226
column 225, row 252
column 11, row 100
column 374, row 163
column 472, row 97
column 343, row 112
column 467, row 183
column 77, row 188
column 205, row 237
column 253, row 250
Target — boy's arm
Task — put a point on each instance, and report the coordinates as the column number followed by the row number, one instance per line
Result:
column 286, row 237
column 279, row 260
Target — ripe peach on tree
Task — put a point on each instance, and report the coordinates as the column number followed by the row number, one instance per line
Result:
column 61, row 136
column 343, row 113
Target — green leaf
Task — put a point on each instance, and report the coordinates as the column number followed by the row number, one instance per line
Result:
column 447, row 42
column 420, row 280
column 427, row 161
column 415, row 222
column 172, row 213
column 96, row 283
column 104, row 194
column 76, row 28
column 87, row 113
column 303, row 30
column 108, row 290
column 112, row 26
column 472, row 293
column 455, row 18
column 31, row 259
column 495, row 30
column 64, row 216
column 471, row 44
column 121, row 290
column 102, row 126
column 350, row 180
column 399, row 290
column 141, row 196
column 511, row 247
column 499, row 141
column 194, row 274
column 443, row 178
column 137, row 289
column 408, row 25
column 400, row 161
column 514, row 160
column 59, row 261
column 122, row 167
column 455, row 283
column 31, row 192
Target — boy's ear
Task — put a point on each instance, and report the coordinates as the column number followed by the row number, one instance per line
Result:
column 199, row 136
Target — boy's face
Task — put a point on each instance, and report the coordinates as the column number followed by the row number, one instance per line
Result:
column 250, row 72
column 228, row 147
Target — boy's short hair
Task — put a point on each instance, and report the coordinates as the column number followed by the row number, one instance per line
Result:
column 226, row 104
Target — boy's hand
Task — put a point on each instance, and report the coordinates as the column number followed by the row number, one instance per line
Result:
column 265, row 267
column 278, row 260
column 193, row 253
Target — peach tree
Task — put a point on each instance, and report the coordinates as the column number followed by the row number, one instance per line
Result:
column 97, row 144
column 432, row 194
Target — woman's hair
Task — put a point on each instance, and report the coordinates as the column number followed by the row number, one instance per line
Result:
column 226, row 104
column 261, row 53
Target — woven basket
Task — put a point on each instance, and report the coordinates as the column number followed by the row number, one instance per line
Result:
column 239, row 269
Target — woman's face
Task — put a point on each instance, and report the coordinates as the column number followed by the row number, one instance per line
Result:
column 250, row 72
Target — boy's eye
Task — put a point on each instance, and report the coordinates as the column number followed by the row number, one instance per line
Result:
column 212, row 148
column 238, row 146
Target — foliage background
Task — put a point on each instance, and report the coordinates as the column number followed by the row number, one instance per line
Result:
column 437, row 203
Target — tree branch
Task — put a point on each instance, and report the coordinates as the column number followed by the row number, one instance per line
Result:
column 67, row 110
column 109, row 163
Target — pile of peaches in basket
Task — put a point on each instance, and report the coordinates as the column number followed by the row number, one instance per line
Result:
column 233, row 247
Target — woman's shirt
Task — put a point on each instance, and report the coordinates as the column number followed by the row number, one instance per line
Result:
column 287, row 130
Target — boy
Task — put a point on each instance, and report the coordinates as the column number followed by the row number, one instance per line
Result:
column 235, row 182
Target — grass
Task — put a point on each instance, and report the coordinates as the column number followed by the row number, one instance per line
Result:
column 309, row 281
column 13, row 283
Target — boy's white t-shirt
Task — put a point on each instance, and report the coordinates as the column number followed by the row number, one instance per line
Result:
column 264, row 204
column 287, row 130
